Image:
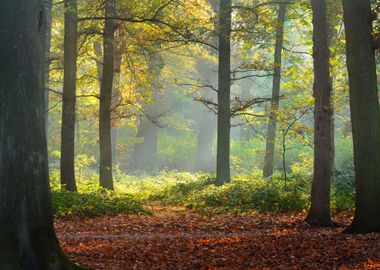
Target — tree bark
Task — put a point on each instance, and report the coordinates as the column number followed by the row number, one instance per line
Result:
column 119, row 50
column 272, row 124
column 48, row 5
column 105, row 139
column 27, row 236
column 365, row 114
column 223, row 174
column 69, row 97
column 319, row 213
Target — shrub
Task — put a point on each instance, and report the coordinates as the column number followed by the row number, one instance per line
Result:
column 245, row 193
column 178, row 193
column 343, row 189
column 94, row 204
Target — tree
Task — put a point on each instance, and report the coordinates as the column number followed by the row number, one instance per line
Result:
column 48, row 4
column 224, row 92
column 145, row 152
column 105, row 138
column 272, row 124
column 319, row 213
column 27, row 236
column 205, row 119
column 69, row 97
column 365, row 114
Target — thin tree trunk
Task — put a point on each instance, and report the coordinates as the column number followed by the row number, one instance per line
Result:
column 105, row 141
column 365, row 114
column 117, row 80
column 27, row 236
column 48, row 5
column 223, row 174
column 99, row 66
column 272, row 124
column 68, row 98
column 319, row 213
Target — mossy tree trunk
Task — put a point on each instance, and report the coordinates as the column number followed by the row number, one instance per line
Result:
column 365, row 114
column 69, row 97
column 27, row 236
column 319, row 213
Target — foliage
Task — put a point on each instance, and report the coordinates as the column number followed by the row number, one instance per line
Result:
column 197, row 191
column 95, row 202
column 246, row 193
column 179, row 193
column 343, row 190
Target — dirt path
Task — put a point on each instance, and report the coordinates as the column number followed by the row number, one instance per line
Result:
column 176, row 238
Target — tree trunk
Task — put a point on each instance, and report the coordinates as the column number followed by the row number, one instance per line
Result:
column 105, row 140
column 117, row 80
column 99, row 66
column 48, row 5
column 206, row 119
column 272, row 124
column 223, row 174
column 365, row 114
column 68, row 98
column 27, row 236
column 145, row 153
column 319, row 213
column 119, row 50
column 206, row 130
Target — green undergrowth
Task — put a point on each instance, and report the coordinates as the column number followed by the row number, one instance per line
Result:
column 95, row 203
column 198, row 192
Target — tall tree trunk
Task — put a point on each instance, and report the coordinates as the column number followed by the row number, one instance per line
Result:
column 69, row 97
column 105, row 141
column 145, row 153
column 223, row 174
column 272, row 124
column 365, row 114
column 27, row 236
column 99, row 65
column 206, row 121
column 205, row 160
column 206, row 130
column 319, row 213
column 119, row 50
column 48, row 5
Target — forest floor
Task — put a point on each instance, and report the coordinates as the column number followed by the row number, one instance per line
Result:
column 178, row 238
